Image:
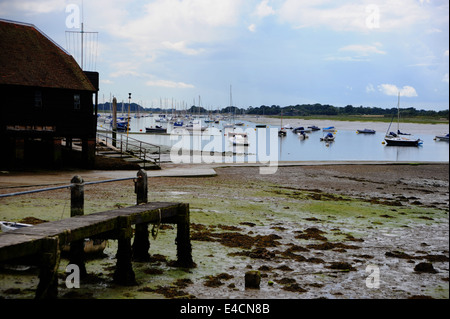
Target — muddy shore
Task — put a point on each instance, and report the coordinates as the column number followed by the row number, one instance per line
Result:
column 312, row 231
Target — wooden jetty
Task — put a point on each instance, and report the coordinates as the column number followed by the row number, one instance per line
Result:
column 45, row 241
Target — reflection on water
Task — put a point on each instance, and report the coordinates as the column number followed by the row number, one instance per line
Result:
column 347, row 146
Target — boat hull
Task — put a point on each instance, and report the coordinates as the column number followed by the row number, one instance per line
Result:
column 402, row 142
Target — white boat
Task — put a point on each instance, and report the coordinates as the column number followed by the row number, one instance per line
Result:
column 238, row 138
column 195, row 128
column 302, row 135
column 91, row 246
column 288, row 126
column 8, row 226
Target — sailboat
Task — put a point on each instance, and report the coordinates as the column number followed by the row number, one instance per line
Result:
column 230, row 125
column 399, row 139
column 282, row 131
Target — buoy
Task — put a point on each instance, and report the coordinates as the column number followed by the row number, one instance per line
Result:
column 382, row 142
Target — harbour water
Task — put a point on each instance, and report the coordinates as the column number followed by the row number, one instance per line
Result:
column 265, row 144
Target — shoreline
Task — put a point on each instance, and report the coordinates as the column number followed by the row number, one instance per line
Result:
column 416, row 128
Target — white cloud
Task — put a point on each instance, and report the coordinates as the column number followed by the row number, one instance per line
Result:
column 358, row 16
column 31, row 7
column 181, row 47
column 169, row 84
column 370, row 88
column 264, row 10
column 252, row 27
column 445, row 78
column 363, row 50
column 393, row 90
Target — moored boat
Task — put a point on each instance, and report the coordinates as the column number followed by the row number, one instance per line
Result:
column 314, row 128
column 328, row 138
column 397, row 139
column 366, row 131
column 329, row 129
column 238, row 138
column 91, row 246
column 156, row 129
column 442, row 137
column 8, row 226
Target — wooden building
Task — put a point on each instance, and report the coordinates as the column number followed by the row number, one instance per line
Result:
column 46, row 100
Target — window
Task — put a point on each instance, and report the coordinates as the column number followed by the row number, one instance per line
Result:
column 38, row 98
column 76, row 101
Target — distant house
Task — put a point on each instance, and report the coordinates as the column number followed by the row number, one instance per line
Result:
column 46, row 99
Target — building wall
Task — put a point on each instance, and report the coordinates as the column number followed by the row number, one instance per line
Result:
column 34, row 120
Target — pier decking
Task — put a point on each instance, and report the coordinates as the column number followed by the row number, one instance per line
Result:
column 44, row 241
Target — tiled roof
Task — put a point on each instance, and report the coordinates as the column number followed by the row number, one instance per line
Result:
column 28, row 57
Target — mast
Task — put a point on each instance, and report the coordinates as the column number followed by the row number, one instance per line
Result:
column 398, row 113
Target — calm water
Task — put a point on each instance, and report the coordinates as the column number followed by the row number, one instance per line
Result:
column 264, row 144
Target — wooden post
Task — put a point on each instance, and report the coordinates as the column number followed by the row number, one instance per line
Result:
column 124, row 274
column 114, row 122
column 57, row 152
column 183, row 240
column 141, row 243
column 48, row 275
column 76, row 255
column 88, row 152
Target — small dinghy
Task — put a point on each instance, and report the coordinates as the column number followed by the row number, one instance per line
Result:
column 91, row 246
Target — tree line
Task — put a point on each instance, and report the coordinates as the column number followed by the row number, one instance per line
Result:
column 292, row 110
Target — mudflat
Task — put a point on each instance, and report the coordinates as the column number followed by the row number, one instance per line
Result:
column 311, row 231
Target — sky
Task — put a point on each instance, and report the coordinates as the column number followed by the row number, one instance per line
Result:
column 264, row 52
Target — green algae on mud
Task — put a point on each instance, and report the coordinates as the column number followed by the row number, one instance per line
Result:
column 307, row 234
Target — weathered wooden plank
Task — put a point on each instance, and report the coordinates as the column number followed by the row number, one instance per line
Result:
column 27, row 241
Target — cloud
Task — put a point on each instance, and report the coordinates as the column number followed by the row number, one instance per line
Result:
column 264, row 10
column 252, row 27
column 445, row 78
column 181, row 47
column 31, row 7
column 360, row 16
column 363, row 50
column 169, row 84
column 393, row 90
column 370, row 88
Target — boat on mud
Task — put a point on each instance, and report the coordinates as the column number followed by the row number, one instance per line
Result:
column 91, row 246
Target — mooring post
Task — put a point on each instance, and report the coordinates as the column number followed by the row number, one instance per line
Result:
column 141, row 243
column 48, row 275
column 124, row 274
column 183, row 240
column 76, row 255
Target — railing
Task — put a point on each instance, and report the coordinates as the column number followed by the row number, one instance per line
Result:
column 126, row 145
